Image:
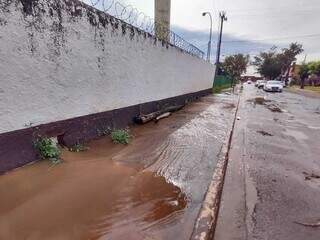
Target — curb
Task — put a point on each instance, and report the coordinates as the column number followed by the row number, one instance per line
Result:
column 208, row 214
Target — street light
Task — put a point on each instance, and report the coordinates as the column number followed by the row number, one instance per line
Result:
column 210, row 38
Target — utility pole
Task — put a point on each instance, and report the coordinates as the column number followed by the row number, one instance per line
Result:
column 223, row 17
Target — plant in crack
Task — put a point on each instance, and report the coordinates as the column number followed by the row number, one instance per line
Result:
column 120, row 136
column 48, row 149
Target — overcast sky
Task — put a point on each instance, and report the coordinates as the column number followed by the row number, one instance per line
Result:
column 262, row 23
column 252, row 26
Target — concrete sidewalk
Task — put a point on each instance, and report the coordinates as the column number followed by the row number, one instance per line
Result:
column 269, row 191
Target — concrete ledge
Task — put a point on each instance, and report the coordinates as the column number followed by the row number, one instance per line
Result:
column 17, row 146
column 207, row 218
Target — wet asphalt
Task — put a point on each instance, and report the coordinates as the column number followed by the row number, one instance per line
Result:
column 272, row 189
column 152, row 188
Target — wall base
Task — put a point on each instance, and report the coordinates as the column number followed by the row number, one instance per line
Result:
column 17, row 146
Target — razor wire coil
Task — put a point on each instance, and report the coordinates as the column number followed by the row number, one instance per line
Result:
column 134, row 17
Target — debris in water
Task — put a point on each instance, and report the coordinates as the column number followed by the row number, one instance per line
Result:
column 274, row 108
column 141, row 119
column 264, row 133
column 165, row 115
column 259, row 100
column 309, row 176
column 229, row 105
column 315, row 224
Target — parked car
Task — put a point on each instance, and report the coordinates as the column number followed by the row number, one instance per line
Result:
column 261, row 84
column 249, row 82
column 273, row 86
column 257, row 83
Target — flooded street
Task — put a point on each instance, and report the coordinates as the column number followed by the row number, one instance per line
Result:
column 272, row 186
column 151, row 189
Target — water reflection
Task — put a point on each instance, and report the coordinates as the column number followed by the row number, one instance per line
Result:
column 85, row 200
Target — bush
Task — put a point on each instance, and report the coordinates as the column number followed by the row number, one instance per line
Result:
column 48, row 149
column 120, row 136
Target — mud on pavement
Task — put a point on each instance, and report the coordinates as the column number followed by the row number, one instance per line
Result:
column 150, row 189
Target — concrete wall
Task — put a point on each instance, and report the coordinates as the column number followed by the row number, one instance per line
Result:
column 63, row 59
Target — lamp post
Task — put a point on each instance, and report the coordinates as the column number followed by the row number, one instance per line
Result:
column 210, row 38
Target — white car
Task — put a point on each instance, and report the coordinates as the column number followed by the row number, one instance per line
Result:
column 261, row 84
column 257, row 83
column 273, row 86
column 249, row 82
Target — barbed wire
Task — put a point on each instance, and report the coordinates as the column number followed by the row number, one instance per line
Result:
column 134, row 17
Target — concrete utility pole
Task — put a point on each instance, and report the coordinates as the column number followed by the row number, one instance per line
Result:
column 162, row 19
column 223, row 17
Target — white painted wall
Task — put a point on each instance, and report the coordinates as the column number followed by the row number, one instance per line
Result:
column 43, row 86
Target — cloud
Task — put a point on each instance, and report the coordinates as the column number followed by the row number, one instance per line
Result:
column 230, row 44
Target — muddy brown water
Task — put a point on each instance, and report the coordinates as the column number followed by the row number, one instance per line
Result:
column 150, row 189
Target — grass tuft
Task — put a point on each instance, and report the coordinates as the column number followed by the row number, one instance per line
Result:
column 120, row 136
column 48, row 149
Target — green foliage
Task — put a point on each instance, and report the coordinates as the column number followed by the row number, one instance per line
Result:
column 48, row 149
column 288, row 55
column 235, row 65
column 314, row 67
column 120, row 136
column 268, row 64
column 79, row 147
column 272, row 63
column 304, row 71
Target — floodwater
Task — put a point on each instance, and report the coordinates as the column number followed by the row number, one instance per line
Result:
column 151, row 189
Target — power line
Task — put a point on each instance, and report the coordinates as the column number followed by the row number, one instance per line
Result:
column 267, row 39
column 273, row 10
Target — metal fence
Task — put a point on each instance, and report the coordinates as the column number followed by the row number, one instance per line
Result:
column 222, row 81
column 133, row 16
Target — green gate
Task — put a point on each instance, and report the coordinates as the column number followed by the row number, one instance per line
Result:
column 221, row 82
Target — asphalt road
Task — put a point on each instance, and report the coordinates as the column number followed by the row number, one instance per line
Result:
column 272, row 185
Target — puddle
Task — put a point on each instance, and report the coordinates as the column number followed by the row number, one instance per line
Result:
column 230, row 105
column 85, row 200
column 151, row 189
column 266, row 102
column 259, row 100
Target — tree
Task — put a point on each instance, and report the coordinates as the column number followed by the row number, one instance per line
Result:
column 235, row 65
column 288, row 56
column 272, row 64
column 304, row 73
column 268, row 64
column 314, row 67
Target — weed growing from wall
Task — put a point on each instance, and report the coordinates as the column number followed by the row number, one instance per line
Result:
column 120, row 136
column 48, row 149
